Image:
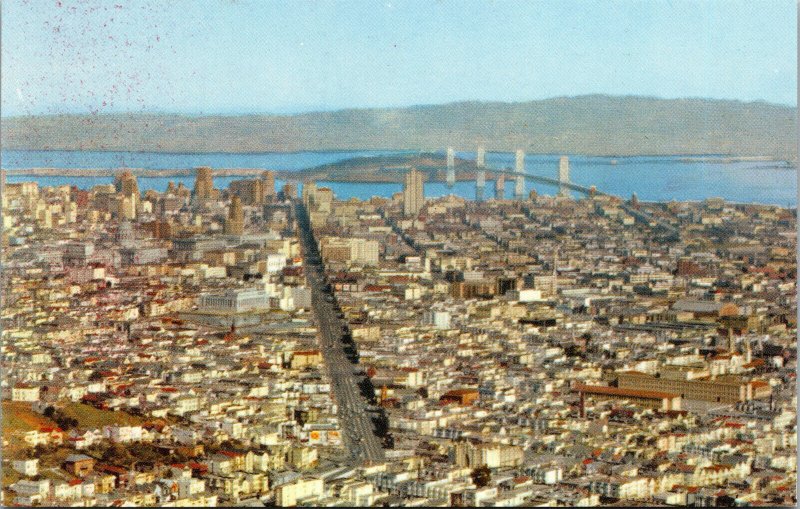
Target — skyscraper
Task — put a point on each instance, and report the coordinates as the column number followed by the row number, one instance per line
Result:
column 126, row 206
column 268, row 185
column 125, row 236
column 289, row 191
column 203, row 184
column 235, row 223
column 563, row 175
column 413, row 194
column 126, row 184
column 250, row 191
column 309, row 194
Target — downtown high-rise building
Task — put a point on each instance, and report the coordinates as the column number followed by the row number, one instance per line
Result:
column 203, row 184
column 250, row 191
column 413, row 194
column 126, row 184
column 128, row 198
column 255, row 191
column 268, row 185
column 234, row 225
column 309, row 194
column 289, row 191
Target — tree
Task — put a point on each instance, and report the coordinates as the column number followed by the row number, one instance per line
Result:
column 481, row 476
column 117, row 454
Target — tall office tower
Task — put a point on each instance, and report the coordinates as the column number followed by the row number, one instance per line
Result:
column 257, row 191
column 480, row 158
column 203, row 183
column 500, row 187
column 235, row 223
column 563, row 175
column 126, row 206
column 289, row 191
column 182, row 191
column 125, row 236
column 126, row 184
column 309, row 194
column 451, row 166
column 268, row 185
column 519, row 167
column 413, row 194
column 250, row 191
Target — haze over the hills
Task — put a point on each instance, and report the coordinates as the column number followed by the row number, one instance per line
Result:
column 596, row 124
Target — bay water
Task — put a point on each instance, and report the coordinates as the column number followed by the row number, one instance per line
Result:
column 652, row 178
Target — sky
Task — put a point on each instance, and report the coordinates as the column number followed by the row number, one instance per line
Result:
column 286, row 57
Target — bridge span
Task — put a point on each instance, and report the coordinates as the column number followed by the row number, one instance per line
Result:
column 640, row 216
column 398, row 172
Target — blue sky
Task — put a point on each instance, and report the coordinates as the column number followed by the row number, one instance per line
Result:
column 261, row 56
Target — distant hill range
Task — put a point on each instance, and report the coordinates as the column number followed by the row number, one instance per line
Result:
column 593, row 125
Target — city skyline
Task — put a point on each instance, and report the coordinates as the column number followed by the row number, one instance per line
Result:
column 234, row 345
column 516, row 254
column 101, row 58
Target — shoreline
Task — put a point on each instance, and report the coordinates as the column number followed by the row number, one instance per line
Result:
column 325, row 182
column 722, row 158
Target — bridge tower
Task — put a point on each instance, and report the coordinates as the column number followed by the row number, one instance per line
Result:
column 519, row 168
column 480, row 176
column 563, row 176
column 500, row 187
column 480, row 157
column 451, row 167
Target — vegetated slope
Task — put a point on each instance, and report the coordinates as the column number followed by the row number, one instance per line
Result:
column 600, row 125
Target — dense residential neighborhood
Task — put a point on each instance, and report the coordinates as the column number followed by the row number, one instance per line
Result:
column 167, row 348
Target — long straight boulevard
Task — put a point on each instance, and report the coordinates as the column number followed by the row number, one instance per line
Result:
column 339, row 354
